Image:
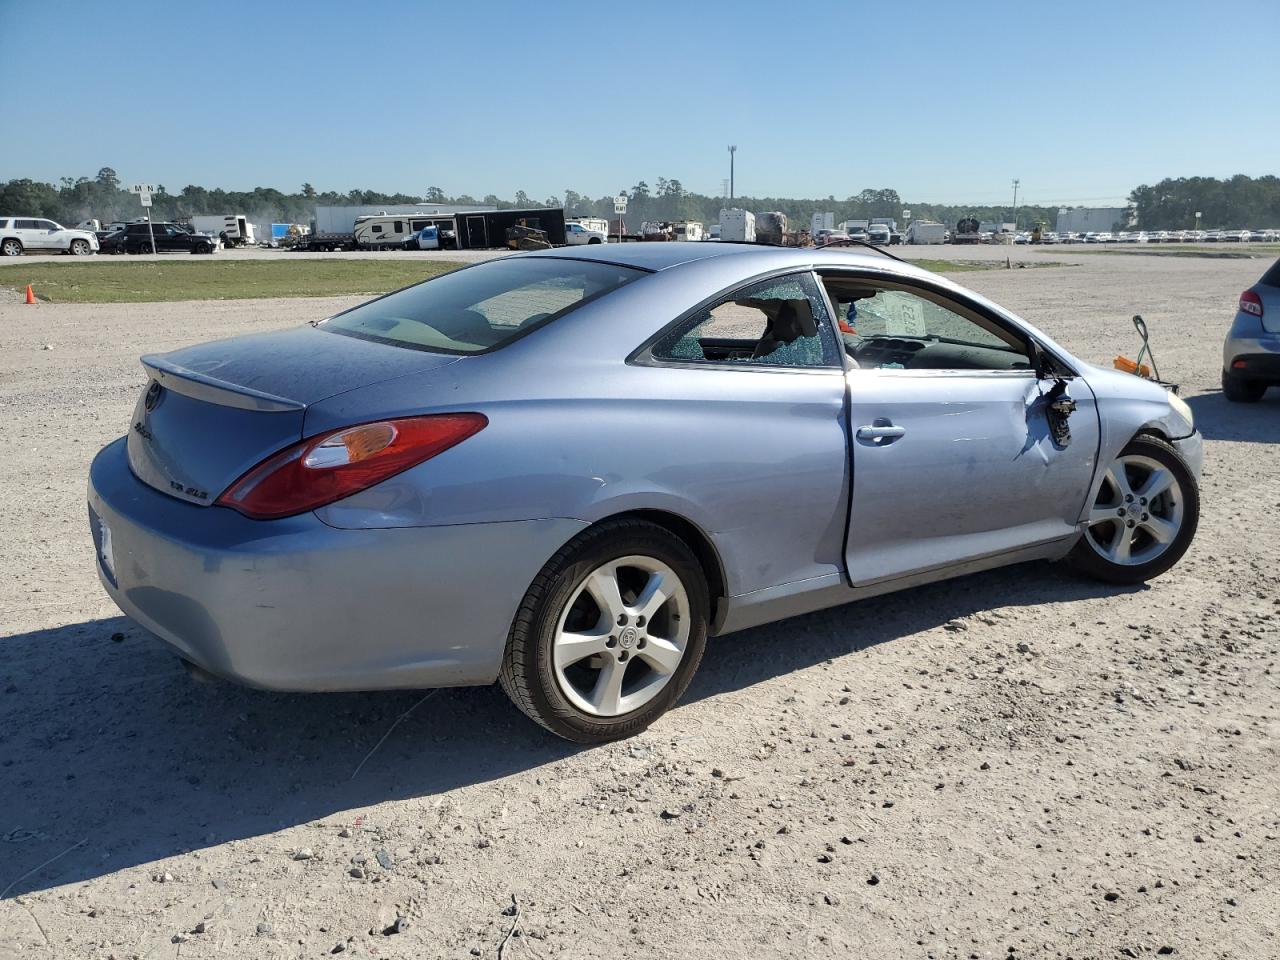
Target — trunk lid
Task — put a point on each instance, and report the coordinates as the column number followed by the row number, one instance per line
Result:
column 211, row 412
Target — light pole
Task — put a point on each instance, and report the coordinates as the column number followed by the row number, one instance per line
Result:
column 1015, row 204
column 732, row 150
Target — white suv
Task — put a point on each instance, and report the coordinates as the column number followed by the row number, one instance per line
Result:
column 21, row 234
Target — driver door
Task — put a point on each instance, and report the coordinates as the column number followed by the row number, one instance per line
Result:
column 954, row 458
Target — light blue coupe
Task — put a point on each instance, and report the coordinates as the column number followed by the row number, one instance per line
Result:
column 564, row 470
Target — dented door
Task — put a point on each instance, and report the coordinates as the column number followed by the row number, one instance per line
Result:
column 953, row 465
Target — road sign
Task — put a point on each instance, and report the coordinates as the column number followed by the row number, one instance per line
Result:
column 145, row 197
column 142, row 188
column 620, row 204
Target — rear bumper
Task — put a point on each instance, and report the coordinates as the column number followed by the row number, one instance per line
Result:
column 1258, row 348
column 295, row 604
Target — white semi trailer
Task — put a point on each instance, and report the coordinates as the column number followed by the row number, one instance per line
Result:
column 234, row 229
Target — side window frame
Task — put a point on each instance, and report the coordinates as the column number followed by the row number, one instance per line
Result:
column 959, row 305
column 643, row 355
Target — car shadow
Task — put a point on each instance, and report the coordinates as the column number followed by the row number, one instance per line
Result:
column 1219, row 419
column 105, row 738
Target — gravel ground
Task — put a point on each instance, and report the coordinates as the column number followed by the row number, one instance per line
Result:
column 1014, row 764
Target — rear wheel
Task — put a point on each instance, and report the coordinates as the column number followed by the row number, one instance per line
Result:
column 609, row 634
column 1143, row 518
column 11, row 248
column 1239, row 390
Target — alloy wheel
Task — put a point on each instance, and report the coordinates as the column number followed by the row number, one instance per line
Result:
column 12, row 248
column 1138, row 512
column 621, row 636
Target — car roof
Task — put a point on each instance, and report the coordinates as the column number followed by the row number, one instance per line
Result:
column 667, row 254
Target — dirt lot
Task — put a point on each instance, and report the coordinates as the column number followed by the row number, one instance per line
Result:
column 1014, row 764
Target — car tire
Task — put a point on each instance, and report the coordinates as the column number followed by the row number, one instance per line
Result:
column 80, row 248
column 545, row 672
column 204, row 248
column 1122, row 518
column 593, row 240
column 1239, row 390
column 11, row 248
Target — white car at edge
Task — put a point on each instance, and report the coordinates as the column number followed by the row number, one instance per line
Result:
column 20, row 235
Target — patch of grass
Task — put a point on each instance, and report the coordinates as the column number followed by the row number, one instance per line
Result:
column 162, row 281
column 961, row 266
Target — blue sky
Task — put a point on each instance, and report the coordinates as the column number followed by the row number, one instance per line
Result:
column 942, row 101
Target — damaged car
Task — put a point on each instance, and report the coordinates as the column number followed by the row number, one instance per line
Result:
column 565, row 470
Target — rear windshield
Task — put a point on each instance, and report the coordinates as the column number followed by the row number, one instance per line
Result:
column 481, row 307
column 1272, row 277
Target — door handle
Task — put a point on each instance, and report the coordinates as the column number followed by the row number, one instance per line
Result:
column 882, row 431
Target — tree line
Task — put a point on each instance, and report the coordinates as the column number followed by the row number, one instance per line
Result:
column 1240, row 201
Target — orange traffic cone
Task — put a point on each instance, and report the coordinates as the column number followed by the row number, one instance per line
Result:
column 31, row 297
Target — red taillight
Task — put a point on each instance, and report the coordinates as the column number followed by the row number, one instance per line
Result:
column 339, row 463
column 1250, row 302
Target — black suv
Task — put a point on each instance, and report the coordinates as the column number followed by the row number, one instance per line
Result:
column 170, row 238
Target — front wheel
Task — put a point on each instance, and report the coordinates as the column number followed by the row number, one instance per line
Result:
column 1239, row 390
column 80, row 248
column 1143, row 518
column 609, row 634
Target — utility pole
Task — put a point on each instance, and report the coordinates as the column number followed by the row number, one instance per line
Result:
column 1015, row 204
column 732, row 150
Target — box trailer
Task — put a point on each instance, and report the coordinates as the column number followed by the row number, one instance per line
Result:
column 926, row 231
column 477, row 231
column 738, row 224
column 233, row 229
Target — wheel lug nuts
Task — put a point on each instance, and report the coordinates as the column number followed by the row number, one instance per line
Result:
column 611, row 642
column 1120, row 512
column 622, row 619
column 640, row 643
column 622, row 655
column 1130, row 524
column 1128, row 498
column 1144, row 517
column 1143, row 501
column 639, row 621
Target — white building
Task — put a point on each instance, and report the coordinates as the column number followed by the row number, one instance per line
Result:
column 1092, row 219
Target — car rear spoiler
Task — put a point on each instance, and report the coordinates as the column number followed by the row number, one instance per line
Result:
column 200, row 386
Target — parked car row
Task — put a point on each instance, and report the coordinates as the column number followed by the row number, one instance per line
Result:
column 1154, row 236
